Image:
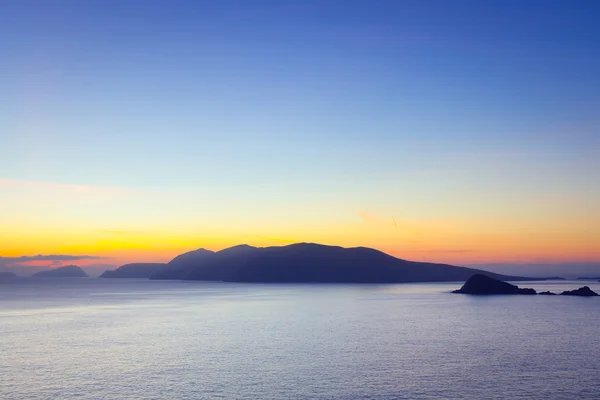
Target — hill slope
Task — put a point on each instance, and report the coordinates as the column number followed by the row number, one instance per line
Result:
column 182, row 266
column 134, row 270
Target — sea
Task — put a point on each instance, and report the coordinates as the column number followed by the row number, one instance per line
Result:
column 89, row 338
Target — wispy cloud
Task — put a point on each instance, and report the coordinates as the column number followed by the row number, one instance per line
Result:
column 20, row 184
column 369, row 217
column 50, row 260
column 115, row 232
column 50, row 257
column 127, row 232
column 372, row 219
column 451, row 251
column 564, row 269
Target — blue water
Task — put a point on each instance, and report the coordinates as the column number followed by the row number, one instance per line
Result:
column 136, row 339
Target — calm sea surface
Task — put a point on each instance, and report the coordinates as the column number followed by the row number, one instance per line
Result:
column 139, row 339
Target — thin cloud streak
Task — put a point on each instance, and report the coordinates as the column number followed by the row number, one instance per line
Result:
column 117, row 232
column 50, row 257
column 50, row 260
column 16, row 184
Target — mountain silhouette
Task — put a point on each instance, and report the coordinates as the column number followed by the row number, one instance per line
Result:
column 184, row 264
column 68, row 271
column 310, row 263
column 134, row 270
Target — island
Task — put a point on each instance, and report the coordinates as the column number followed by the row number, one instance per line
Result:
column 134, row 270
column 584, row 291
column 7, row 275
column 310, row 263
column 68, row 271
column 480, row 284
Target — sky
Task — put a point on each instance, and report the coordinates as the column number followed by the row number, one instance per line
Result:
column 464, row 132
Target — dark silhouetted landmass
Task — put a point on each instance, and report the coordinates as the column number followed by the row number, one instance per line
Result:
column 68, row 271
column 183, row 265
column 135, row 270
column 310, row 263
column 484, row 285
column 584, row 278
column 584, row 291
column 7, row 275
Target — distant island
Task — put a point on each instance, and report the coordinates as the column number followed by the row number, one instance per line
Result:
column 7, row 275
column 480, row 284
column 134, row 270
column 300, row 263
column 68, row 271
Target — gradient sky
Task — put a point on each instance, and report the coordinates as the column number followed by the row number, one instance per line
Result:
column 135, row 130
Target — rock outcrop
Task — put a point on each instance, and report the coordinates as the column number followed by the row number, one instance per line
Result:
column 584, row 291
column 484, row 285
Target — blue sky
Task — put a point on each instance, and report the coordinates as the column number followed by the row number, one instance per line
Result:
column 384, row 106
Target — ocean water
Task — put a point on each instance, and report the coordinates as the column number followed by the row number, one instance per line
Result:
column 138, row 339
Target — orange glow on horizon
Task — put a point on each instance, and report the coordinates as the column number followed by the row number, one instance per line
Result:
column 122, row 226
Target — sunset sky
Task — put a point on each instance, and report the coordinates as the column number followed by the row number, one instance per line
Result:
column 461, row 132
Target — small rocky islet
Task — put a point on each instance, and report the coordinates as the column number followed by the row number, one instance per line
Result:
column 584, row 291
column 480, row 284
